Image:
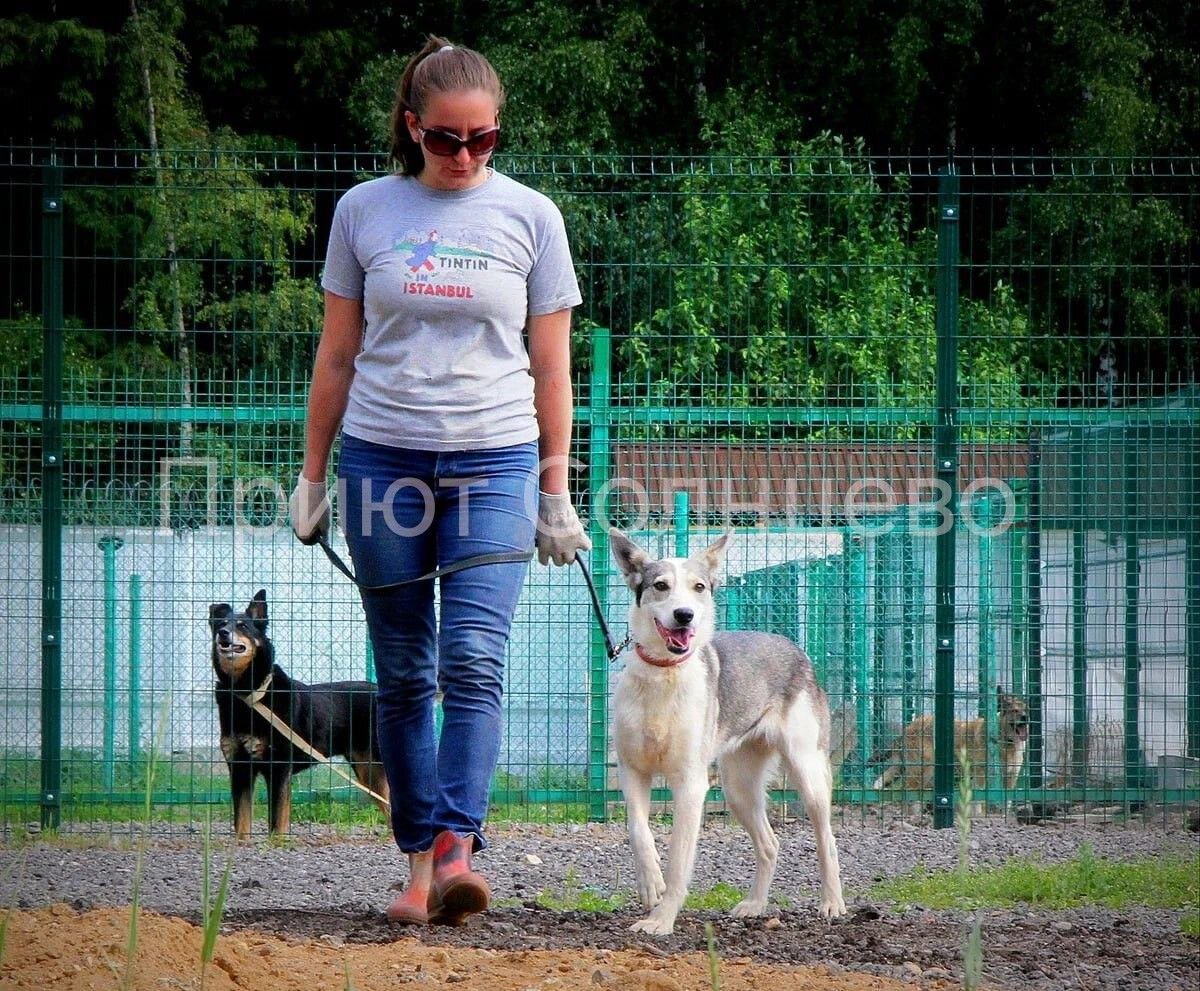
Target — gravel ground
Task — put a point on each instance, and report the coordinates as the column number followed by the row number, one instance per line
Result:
column 328, row 887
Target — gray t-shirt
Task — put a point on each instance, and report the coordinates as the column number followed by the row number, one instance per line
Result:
column 447, row 280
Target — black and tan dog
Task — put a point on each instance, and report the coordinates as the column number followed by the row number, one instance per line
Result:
column 335, row 719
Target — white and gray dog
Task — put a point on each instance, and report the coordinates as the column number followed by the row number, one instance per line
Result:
column 691, row 696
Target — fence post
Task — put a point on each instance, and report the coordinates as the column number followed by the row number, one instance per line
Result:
column 599, row 471
column 981, row 513
column 1079, row 619
column 1192, row 584
column 135, row 672
column 946, row 455
column 110, row 545
column 52, row 481
column 912, row 622
column 682, row 520
column 1033, row 616
column 1134, row 758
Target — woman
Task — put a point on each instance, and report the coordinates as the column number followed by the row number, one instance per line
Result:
column 433, row 276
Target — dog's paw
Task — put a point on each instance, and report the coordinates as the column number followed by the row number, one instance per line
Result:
column 832, row 906
column 655, row 924
column 651, row 889
column 748, row 908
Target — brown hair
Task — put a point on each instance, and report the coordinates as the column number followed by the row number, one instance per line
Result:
column 438, row 67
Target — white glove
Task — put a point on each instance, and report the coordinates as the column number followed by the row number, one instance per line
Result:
column 309, row 510
column 559, row 532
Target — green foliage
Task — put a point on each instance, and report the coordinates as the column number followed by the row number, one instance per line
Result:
column 799, row 278
column 628, row 75
column 569, row 90
column 67, row 57
column 1161, row 882
column 1125, row 247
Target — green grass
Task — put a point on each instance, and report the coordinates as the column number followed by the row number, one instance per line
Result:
column 1190, row 926
column 574, row 897
column 1160, row 882
column 212, row 908
column 721, row 897
column 189, row 785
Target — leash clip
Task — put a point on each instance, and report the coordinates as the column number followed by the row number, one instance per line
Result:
column 613, row 651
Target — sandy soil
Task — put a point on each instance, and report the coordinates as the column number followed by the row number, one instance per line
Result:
column 57, row 947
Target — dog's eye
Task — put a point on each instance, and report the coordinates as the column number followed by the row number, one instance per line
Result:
column 699, row 586
column 661, row 585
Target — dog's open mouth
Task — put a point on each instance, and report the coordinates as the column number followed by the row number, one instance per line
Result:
column 677, row 639
column 232, row 649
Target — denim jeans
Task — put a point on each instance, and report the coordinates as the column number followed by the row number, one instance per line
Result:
column 406, row 512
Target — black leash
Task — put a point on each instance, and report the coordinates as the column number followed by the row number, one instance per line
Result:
column 500, row 557
column 613, row 651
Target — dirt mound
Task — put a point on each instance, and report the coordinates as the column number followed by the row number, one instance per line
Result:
column 60, row 948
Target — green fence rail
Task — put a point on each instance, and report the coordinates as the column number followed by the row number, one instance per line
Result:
column 950, row 408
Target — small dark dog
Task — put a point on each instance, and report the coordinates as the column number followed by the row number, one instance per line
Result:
column 335, row 719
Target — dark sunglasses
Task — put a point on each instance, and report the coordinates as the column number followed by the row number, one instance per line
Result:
column 444, row 143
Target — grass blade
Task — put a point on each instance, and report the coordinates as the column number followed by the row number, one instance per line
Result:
column 714, row 959
column 135, row 902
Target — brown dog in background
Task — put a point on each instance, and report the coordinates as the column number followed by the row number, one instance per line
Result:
column 911, row 756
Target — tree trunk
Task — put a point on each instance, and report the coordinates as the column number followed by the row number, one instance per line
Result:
column 181, row 335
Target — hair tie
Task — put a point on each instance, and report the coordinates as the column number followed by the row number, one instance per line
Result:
column 446, row 48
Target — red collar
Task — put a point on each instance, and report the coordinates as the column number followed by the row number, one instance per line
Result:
column 660, row 662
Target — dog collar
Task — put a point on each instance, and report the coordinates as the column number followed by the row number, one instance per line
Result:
column 660, row 662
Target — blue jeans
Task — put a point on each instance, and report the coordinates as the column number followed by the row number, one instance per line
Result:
column 406, row 512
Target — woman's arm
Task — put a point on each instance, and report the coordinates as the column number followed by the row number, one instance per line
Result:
column 553, row 402
column 333, row 372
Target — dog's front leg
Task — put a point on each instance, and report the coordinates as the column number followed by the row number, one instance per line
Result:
column 279, row 797
column 635, row 786
column 241, row 786
column 687, row 793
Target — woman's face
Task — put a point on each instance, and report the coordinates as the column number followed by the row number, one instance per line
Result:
column 463, row 113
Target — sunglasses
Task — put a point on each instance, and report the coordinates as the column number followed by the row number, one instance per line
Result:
column 446, row 144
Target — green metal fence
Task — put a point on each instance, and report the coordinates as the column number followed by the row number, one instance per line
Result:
column 950, row 409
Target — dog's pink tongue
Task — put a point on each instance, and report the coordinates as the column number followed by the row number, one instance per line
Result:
column 678, row 639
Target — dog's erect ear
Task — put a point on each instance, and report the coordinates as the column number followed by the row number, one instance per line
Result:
column 258, row 606
column 218, row 612
column 629, row 557
column 713, row 556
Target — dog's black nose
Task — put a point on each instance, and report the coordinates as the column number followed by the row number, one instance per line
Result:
column 684, row 616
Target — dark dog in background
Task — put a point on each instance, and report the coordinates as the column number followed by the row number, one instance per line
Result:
column 335, row 719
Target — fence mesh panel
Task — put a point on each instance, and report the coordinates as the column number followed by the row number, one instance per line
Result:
column 757, row 349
